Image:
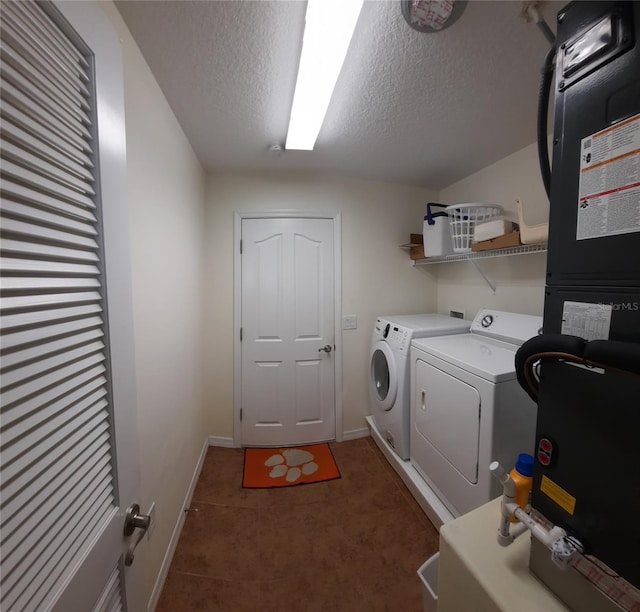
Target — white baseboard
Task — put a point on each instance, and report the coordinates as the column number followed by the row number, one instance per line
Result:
column 353, row 434
column 221, row 441
column 430, row 503
column 177, row 530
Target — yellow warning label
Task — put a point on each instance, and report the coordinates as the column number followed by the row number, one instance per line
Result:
column 558, row 494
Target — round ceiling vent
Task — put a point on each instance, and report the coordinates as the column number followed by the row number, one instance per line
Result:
column 431, row 15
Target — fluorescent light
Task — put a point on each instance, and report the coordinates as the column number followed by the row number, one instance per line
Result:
column 329, row 26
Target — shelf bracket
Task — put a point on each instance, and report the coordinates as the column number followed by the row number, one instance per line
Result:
column 486, row 280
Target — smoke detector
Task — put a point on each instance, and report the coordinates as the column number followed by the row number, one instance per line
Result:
column 275, row 150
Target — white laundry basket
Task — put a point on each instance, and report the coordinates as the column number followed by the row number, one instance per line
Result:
column 463, row 218
column 428, row 574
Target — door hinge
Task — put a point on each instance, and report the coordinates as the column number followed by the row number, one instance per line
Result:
column 241, row 247
column 241, row 415
column 241, row 334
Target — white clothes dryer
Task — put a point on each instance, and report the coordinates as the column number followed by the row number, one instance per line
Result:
column 389, row 370
column 468, row 408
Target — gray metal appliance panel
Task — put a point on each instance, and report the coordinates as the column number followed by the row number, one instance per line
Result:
column 594, row 98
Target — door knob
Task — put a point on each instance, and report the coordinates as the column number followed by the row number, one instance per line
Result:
column 134, row 520
column 326, row 348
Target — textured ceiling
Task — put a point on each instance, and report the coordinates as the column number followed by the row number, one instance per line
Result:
column 420, row 109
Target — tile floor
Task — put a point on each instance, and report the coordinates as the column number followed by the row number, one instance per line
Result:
column 350, row 544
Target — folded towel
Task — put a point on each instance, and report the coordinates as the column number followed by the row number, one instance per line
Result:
column 492, row 229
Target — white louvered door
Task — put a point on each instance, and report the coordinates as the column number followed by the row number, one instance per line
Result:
column 68, row 390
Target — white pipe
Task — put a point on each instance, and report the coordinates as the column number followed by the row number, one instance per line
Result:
column 508, row 531
column 530, row 12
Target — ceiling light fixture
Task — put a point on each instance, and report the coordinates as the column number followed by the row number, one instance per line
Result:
column 329, row 26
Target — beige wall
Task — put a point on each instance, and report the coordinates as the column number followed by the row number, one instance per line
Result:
column 519, row 280
column 165, row 185
column 377, row 277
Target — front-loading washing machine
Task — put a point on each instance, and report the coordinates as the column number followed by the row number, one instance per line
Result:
column 389, row 370
column 468, row 409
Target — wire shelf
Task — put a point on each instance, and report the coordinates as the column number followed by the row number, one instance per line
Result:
column 523, row 249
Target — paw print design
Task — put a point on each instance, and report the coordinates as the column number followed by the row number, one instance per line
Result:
column 291, row 463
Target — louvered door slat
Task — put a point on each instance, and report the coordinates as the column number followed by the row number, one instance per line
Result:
column 111, row 598
column 57, row 466
column 40, row 519
column 34, row 266
column 25, row 56
column 50, row 365
column 48, row 133
column 45, row 333
column 63, row 556
column 25, row 175
column 44, row 414
column 12, row 360
column 24, row 89
column 56, row 510
column 22, row 193
column 33, row 214
column 32, row 301
column 22, row 392
column 26, row 501
column 65, row 53
column 44, row 168
column 44, row 25
column 30, row 444
column 48, row 48
column 38, row 55
column 51, row 451
column 34, row 583
column 41, row 250
column 13, row 415
column 28, row 319
column 16, row 134
column 47, row 283
column 35, row 231
column 16, row 93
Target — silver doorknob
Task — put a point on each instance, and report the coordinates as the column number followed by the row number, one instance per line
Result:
column 134, row 520
column 326, row 349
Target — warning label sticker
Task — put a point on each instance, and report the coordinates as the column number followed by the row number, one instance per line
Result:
column 565, row 500
column 609, row 193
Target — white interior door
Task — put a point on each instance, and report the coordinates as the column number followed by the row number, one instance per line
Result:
column 288, row 335
column 68, row 454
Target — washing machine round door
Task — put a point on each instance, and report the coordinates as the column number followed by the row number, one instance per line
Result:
column 383, row 376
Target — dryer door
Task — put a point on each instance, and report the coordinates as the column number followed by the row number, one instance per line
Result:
column 383, row 376
column 447, row 416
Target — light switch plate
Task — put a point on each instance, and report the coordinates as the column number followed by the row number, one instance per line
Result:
column 350, row 322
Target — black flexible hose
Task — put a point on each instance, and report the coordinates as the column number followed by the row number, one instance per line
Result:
column 543, row 114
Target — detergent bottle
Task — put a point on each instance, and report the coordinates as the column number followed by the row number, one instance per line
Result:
column 522, row 476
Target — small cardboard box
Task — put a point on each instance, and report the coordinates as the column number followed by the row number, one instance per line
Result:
column 416, row 252
column 416, row 248
column 501, row 242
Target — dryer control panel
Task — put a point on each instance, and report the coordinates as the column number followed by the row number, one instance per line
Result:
column 511, row 327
